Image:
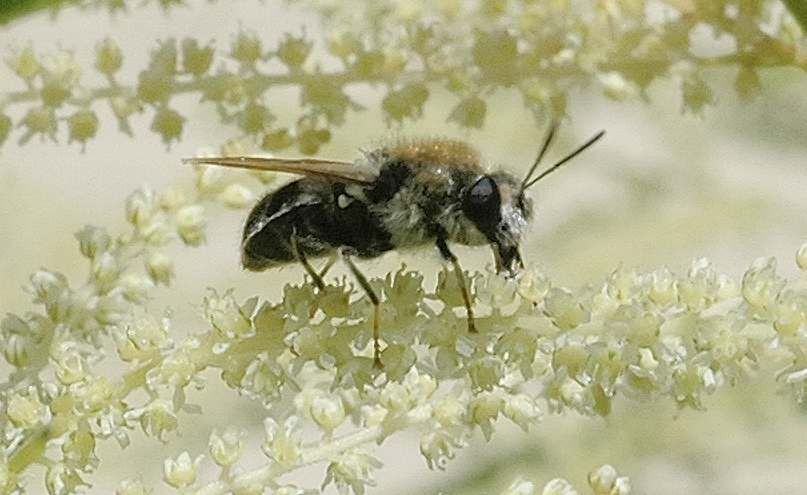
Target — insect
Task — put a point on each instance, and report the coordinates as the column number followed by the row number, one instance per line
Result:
column 403, row 194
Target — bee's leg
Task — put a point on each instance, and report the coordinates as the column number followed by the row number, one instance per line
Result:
column 304, row 261
column 449, row 256
column 376, row 303
column 328, row 265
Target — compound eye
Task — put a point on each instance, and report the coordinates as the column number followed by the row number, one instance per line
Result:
column 482, row 202
column 483, row 191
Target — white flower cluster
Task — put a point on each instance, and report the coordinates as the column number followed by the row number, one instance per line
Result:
column 540, row 349
column 57, row 400
column 636, row 335
column 602, row 481
column 467, row 49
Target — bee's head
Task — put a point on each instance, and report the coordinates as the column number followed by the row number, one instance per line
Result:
column 497, row 206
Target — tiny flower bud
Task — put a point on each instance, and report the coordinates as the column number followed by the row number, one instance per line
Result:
column 93, row 240
column 277, row 140
column 622, row 486
column 156, row 418
column 255, row 118
column 147, row 333
column 343, row 44
column 172, row 199
column 449, row 412
column 760, row 284
column 177, row 369
column 520, row 487
column 602, row 479
column 395, row 397
column 664, row 287
column 437, row 447
column 209, row 179
column 281, row 444
column 71, row 367
column 108, row 58
column 79, row 448
column 615, row 86
column 572, row 394
column 140, row 206
column 696, row 92
column 237, row 196
column 246, row 48
column 112, row 309
column 564, row 310
column 124, row 106
column 647, row 361
column 532, row 285
column 105, row 270
column 559, row 486
column 226, row 316
column 17, row 349
column 25, row 411
column 226, row 448
column 136, row 287
column 327, row 412
column 25, row 64
column 196, row 60
column 40, row 120
column 293, row 51
column 484, row 409
column 470, row 112
column 66, row 70
column 61, row 480
column 82, row 125
column 352, row 470
column 132, row 487
column 191, row 223
column 181, row 472
column 522, row 410
column 52, row 290
column 168, row 124
column 160, row 267
column 801, row 257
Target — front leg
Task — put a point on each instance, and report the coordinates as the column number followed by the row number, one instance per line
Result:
column 449, row 256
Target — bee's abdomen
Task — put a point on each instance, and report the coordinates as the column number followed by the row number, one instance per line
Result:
column 322, row 216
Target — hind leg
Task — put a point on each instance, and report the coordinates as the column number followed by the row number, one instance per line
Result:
column 316, row 277
column 362, row 280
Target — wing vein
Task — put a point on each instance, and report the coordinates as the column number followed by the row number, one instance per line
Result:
column 324, row 168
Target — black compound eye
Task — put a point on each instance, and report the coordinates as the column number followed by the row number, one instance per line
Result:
column 483, row 191
column 483, row 201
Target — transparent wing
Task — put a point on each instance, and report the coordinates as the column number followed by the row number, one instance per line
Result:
column 324, row 168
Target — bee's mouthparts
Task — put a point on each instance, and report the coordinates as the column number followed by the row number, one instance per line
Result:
column 508, row 260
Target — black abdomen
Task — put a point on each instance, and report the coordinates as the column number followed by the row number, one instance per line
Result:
column 322, row 216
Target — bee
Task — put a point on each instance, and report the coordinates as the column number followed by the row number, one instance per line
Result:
column 403, row 194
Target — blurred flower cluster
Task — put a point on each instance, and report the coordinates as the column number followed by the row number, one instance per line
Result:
column 408, row 50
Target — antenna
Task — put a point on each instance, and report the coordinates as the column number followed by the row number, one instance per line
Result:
column 527, row 183
column 550, row 134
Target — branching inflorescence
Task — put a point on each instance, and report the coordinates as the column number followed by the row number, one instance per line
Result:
column 540, row 349
column 410, row 50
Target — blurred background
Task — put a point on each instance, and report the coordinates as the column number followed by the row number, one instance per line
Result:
column 662, row 188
